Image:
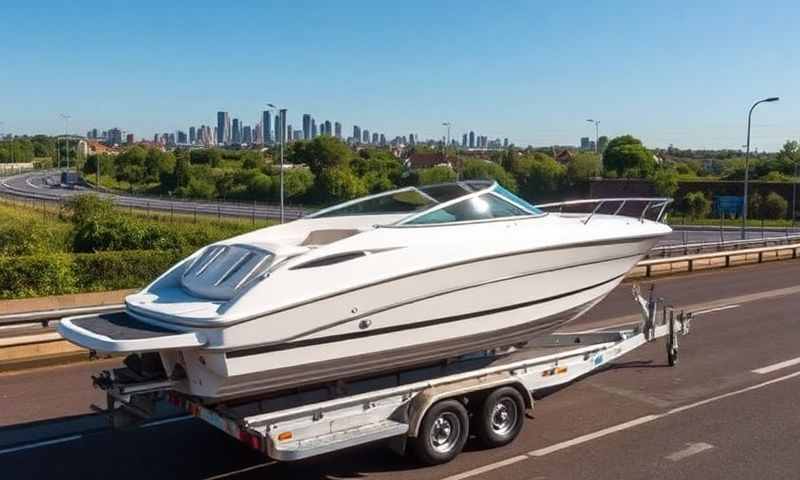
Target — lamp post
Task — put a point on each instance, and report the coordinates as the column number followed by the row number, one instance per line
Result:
column 794, row 193
column 66, row 135
column 447, row 144
column 596, row 133
column 282, row 132
column 747, row 164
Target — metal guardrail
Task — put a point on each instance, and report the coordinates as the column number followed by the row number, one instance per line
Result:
column 699, row 247
column 690, row 260
column 44, row 317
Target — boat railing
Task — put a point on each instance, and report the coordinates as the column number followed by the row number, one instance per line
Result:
column 615, row 205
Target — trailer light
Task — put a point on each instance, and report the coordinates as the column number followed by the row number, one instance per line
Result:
column 284, row 436
column 561, row 370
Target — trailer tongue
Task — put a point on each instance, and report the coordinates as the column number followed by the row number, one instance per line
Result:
column 425, row 408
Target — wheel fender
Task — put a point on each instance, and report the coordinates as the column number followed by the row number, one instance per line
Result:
column 426, row 399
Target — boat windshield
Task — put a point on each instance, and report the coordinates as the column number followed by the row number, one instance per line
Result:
column 466, row 201
column 404, row 200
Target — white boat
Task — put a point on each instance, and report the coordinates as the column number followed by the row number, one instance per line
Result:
column 400, row 278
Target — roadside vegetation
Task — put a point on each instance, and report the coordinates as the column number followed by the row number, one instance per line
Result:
column 92, row 246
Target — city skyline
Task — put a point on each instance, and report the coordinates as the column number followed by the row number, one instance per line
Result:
column 687, row 79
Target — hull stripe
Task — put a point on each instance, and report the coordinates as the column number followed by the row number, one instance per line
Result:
column 413, row 326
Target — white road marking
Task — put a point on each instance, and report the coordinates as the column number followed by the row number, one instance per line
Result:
column 715, row 309
column 777, row 366
column 691, row 449
column 591, row 436
column 488, row 468
column 607, row 431
column 40, row 444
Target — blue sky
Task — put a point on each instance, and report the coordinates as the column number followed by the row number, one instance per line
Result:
column 681, row 73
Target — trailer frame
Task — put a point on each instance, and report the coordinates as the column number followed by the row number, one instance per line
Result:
column 396, row 406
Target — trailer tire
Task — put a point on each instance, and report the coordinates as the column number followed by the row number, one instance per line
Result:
column 500, row 417
column 442, row 434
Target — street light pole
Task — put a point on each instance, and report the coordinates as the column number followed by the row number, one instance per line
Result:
column 794, row 193
column 747, row 163
column 66, row 135
column 596, row 134
column 282, row 131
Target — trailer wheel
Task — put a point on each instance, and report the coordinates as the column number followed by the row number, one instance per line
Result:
column 500, row 417
column 442, row 434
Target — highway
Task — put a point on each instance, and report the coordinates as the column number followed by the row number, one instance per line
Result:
column 45, row 186
column 728, row 409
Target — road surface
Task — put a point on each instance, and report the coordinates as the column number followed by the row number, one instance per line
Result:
column 728, row 410
column 45, row 185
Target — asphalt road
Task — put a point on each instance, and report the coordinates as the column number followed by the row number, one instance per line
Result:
column 46, row 186
column 711, row 416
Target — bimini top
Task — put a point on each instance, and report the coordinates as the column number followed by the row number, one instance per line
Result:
column 472, row 200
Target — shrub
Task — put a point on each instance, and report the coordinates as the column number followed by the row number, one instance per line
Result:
column 697, row 205
column 775, row 206
column 36, row 275
column 438, row 174
column 40, row 275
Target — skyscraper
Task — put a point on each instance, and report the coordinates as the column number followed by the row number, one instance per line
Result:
column 411, row 139
column 277, row 123
column 313, row 128
column 328, row 128
column 223, row 128
column 337, row 127
column 306, row 126
column 181, row 137
column 192, row 135
column 236, row 134
column 356, row 134
column 505, row 142
column 383, row 140
column 471, row 139
column 266, row 127
column 464, row 141
column 247, row 135
column 375, row 138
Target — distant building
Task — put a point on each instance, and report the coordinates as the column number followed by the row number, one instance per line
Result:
column 383, row 140
column 471, row 139
column 114, row 136
column 278, row 138
column 192, row 135
column 586, row 143
column 129, row 139
column 356, row 134
column 247, row 135
column 182, row 138
column 236, row 132
column 298, row 135
column 306, row 126
column 505, row 142
column 337, row 128
column 328, row 130
column 425, row 160
column 366, row 136
column 223, row 128
column 266, row 127
column 464, row 141
column 564, row 156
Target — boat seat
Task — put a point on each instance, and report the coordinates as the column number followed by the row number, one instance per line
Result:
column 324, row 237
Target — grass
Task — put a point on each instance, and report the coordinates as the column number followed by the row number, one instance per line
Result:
column 677, row 220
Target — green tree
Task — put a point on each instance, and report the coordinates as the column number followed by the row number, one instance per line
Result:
column 476, row 169
column 697, row 205
column 130, row 165
column 774, row 176
column 437, row 174
column 775, row 206
column 538, row 175
column 584, row 166
column 321, row 153
column 296, row 182
column 627, row 156
column 665, row 181
column 340, row 183
column 259, row 186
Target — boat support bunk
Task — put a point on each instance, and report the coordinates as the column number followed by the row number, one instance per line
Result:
column 424, row 410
